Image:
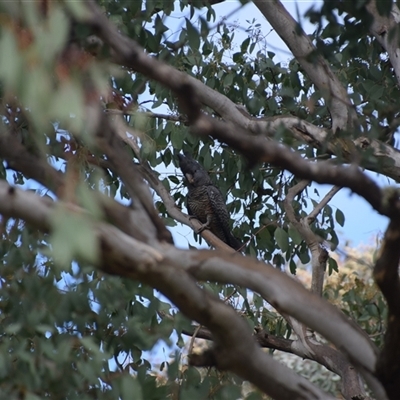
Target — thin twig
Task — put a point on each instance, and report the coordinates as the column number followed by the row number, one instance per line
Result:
column 327, row 198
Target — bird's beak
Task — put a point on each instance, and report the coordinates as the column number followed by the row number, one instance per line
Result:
column 189, row 178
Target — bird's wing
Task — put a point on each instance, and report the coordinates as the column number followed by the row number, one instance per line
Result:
column 222, row 217
column 220, row 211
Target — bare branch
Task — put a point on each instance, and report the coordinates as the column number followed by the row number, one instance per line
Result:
column 318, row 208
column 319, row 255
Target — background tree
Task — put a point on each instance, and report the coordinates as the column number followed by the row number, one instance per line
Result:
column 97, row 99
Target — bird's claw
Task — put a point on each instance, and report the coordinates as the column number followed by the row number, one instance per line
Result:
column 201, row 229
column 203, row 226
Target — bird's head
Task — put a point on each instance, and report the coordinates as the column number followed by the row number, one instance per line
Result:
column 199, row 178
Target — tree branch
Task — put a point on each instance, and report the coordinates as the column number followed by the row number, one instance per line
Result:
column 128, row 53
column 305, row 345
column 110, row 142
column 386, row 31
column 166, row 268
column 18, row 158
column 159, row 188
column 386, row 274
column 257, row 149
column 330, row 358
column 124, row 256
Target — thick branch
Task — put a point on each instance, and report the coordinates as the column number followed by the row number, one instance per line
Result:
column 130, row 54
column 231, row 332
column 258, row 149
column 332, row 359
column 112, row 146
column 18, row 158
column 386, row 275
column 263, row 338
column 127, row 257
column 165, row 267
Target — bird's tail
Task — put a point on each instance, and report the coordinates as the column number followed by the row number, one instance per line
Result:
column 234, row 242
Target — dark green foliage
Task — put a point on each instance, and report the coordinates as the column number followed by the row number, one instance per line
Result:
column 67, row 330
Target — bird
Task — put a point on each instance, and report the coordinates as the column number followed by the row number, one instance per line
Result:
column 206, row 202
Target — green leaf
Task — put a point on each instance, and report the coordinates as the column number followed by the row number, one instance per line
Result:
column 73, row 237
column 257, row 300
column 193, row 376
column 151, row 41
column 31, row 396
column 245, row 45
column 328, row 211
column 54, row 38
column 377, row 92
column 332, row 264
column 294, row 234
column 339, row 216
column 160, row 28
column 304, row 257
column 254, row 105
column 13, row 328
column 193, row 35
column 174, row 179
column 10, row 66
column 131, row 389
column 68, row 107
column 228, row 80
column 282, row 239
column 177, row 139
column 292, row 266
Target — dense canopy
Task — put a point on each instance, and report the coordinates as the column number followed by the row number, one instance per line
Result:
column 104, row 292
